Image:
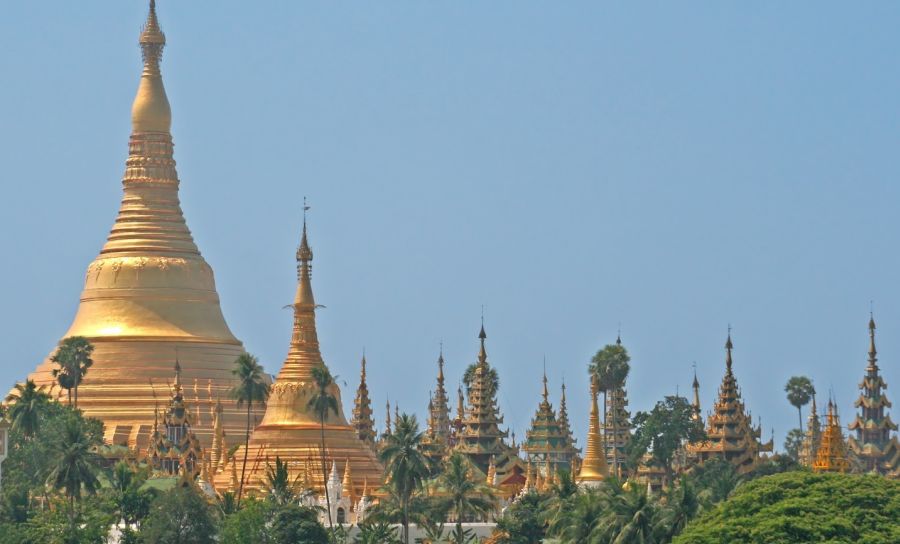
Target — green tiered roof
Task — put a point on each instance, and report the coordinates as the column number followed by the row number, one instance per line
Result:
column 563, row 419
column 480, row 437
column 546, row 442
column 873, row 447
column 730, row 432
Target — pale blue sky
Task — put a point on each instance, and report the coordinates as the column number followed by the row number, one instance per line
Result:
column 671, row 166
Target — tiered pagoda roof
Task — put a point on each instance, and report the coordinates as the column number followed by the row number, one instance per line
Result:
column 873, row 447
column 563, row 418
column 361, row 419
column 480, row 438
column 831, row 455
column 437, row 436
column 546, row 442
column 730, row 433
column 175, row 450
column 617, row 428
column 810, row 445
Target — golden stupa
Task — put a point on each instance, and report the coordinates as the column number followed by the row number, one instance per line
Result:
column 290, row 430
column 150, row 297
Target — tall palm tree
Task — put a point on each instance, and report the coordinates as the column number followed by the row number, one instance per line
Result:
column 465, row 496
column 282, row 489
column 610, row 366
column 631, row 517
column 681, row 506
column 799, row 391
column 27, row 400
column 577, row 520
column 74, row 359
column 405, row 464
column 323, row 402
column 250, row 388
column 74, row 463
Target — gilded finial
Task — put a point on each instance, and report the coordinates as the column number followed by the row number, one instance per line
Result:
column 546, row 394
column 150, row 111
column 482, row 336
column 728, row 347
column 304, row 253
column 873, row 353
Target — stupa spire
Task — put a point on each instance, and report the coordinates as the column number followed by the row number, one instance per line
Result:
column 873, row 353
column 695, row 405
column 594, row 468
column 564, row 416
column 304, row 352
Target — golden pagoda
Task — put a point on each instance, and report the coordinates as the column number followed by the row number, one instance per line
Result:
column 150, row 293
column 873, row 447
column 831, row 456
column 175, row 450
column 289, row 429
column 437, row 436
column 362, row 409
column 593, row 468
column 730, row 432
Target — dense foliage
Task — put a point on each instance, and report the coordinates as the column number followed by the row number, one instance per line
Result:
column 800, row 506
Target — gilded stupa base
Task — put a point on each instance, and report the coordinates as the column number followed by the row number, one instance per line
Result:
column 300, row 447
column 130, row 379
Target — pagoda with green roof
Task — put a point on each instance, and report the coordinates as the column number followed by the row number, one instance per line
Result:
column 873, row 448
column 546, row 442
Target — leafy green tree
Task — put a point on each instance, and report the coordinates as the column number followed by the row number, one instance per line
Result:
column 793, row 443
column 799, row 391
column 801, row 506
column 74, row 359
column 717, row 478
column 249, row 524
column 251, row 388
column 610, row 367
column 27, row 402
column 179, row 516
column 293, row 524
column 465, row 497
column 75, row 463
column 663, row 430
column 130, row 500
column 523, row 522
column 405, row 464
column 378, row 532
column 493, row 378
column 322, row 403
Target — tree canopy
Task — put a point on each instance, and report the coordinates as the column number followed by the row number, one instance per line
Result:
column 800, row 506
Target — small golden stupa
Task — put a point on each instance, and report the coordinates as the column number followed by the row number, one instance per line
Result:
column 290, row 430
column 593, row 469
column 150, row 296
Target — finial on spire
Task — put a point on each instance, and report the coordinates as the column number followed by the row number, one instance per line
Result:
column 619, row 335
column 729, row 345
column 545, row 393
column 304, row 253
column 152, row 39
column 873, row 353
column 150, row 111
column 177, row 372
column 362, row 371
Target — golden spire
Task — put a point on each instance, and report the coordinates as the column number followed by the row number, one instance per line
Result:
column 482, row 353
column 387, row 418
column 728, row 347
column 150, row 111
column 696, row 404
column 545, row 393
column 362, row 408
column 593, row 468
column 491, row 472
column 460, row 404
column 304, row 352
column 831, row 455
column 347, row 483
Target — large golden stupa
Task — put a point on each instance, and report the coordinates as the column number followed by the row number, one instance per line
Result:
column 290, row 430
column 150, row 297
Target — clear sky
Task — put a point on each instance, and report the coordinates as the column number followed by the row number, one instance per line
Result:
column 670, row 166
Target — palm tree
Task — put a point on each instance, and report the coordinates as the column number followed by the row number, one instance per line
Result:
column 577, row 520
column 74, row 463
column 465, row 496
column 376, row 532
column 631, row 517
column 610, row 366
column 323, row 402
column 251, row 388
column 799, row 391
column 74, row 359
column 27, row 401
column 405, row 464
column 282, row 490
column 493, row 377
column 682, row 505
